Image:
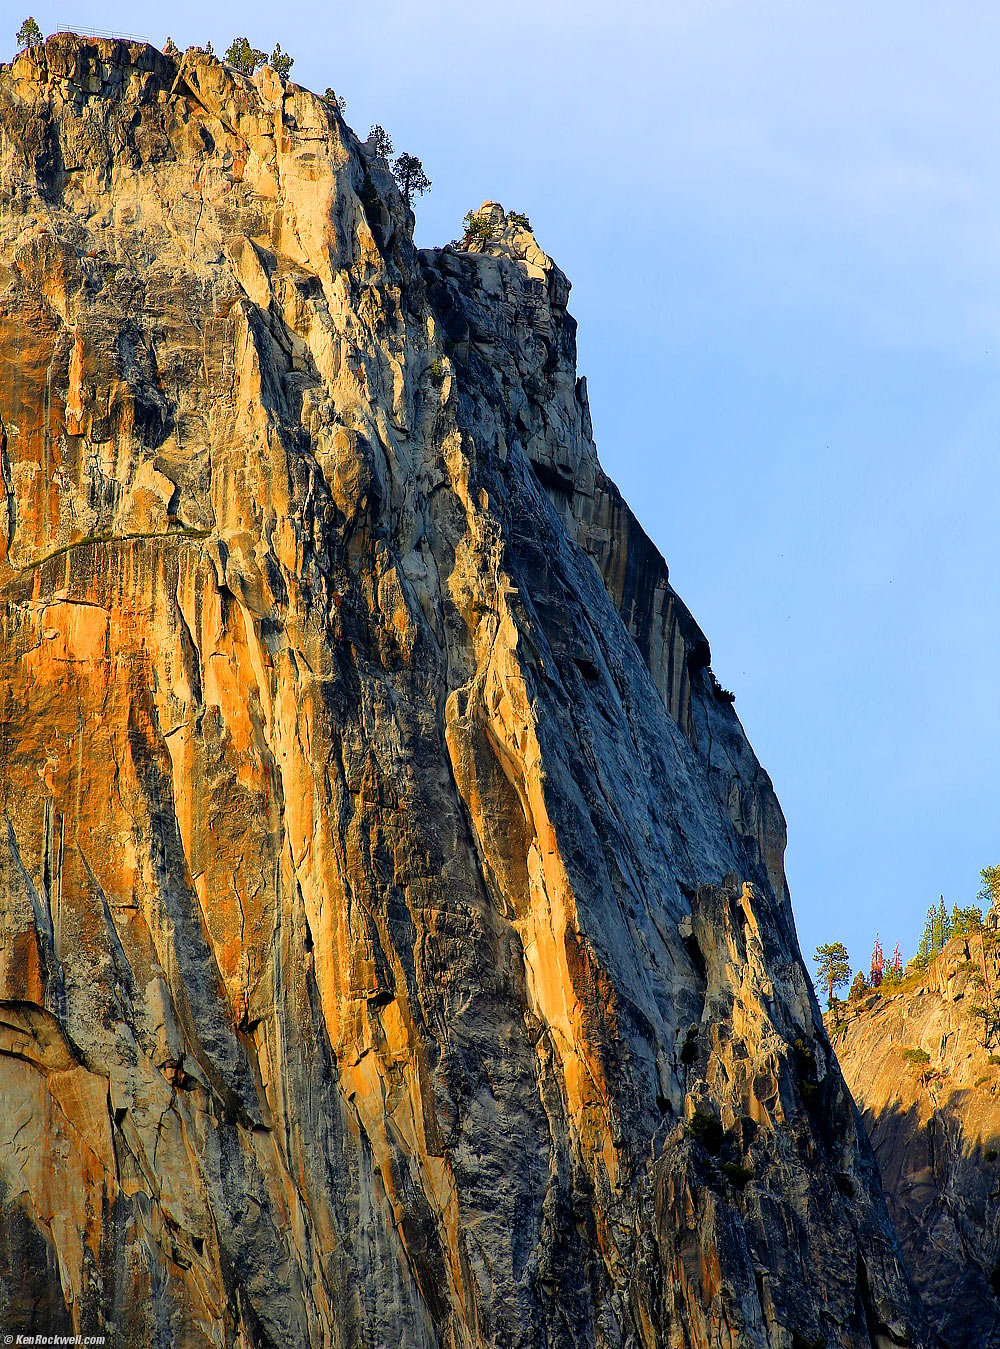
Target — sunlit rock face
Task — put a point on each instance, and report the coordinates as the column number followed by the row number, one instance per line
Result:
column 929, row 1088
column 394, row 943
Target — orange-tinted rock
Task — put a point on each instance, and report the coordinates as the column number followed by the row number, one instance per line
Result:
column 395, row 943
column 929, row 1088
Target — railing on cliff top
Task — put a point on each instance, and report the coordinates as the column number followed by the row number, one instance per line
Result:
column 78, row 31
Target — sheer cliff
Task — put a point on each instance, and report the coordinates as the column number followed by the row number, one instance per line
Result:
column 394, row 941
column 929, row 1087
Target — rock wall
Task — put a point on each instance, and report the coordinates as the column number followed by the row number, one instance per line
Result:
column 503, row 305
column 930, row 1091
column 394, row 944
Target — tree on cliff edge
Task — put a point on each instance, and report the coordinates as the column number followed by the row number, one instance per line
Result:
column 243, row 57
column 28, row 35
column 833, row 968
column 280, row 62
column 410, row 177
column 990, row 893
column 380, row 141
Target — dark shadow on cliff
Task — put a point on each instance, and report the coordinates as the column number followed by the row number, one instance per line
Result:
column 30, row 1297
column 943, row 1188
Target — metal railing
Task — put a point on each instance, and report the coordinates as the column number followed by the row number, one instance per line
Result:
column 100, row 32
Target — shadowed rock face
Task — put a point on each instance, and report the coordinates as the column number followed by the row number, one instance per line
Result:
column 394, row 942
column 930, row 1093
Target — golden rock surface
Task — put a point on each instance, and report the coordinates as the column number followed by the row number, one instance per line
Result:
column 394, row 942
column 927, row 1080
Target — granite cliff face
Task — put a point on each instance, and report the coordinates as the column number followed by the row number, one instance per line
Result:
column 930, row 1092
column 394, row 942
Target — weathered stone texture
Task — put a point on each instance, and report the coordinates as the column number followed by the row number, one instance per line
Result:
column 394, row 943
column 934, row 1120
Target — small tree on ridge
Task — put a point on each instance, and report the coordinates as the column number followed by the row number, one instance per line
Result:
column 990, row 892
column 380, row 141
column 243, row 57
column 280, row 62
column 410, row 177
column 833, row 968
column 28, row 35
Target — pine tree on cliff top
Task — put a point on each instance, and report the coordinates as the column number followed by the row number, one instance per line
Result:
column 380, row 141
column 990, row 892
column 409, row 174
column 280, row 62
column 966, row 922
column 833, row 968
column 938, row 931
column 28, row 35
column 243, row 57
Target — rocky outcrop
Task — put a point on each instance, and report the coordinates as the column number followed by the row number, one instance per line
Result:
column 503, row 305
column 394, row 943
column 929, row 1087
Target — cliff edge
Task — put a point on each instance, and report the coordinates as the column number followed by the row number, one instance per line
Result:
column 926, row 1073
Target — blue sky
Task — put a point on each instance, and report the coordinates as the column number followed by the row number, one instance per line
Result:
column 782, row 222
